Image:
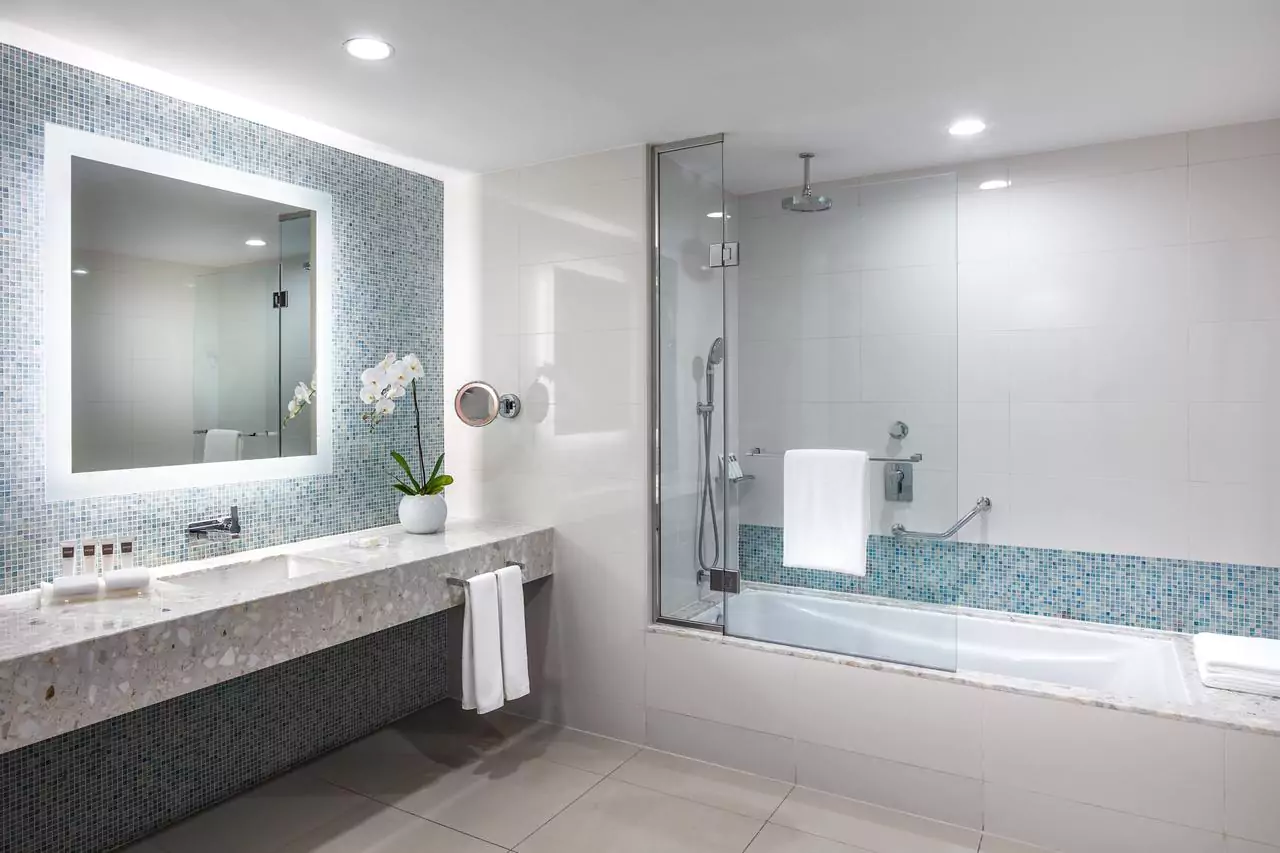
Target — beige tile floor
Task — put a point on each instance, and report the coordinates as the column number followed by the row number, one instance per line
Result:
column 449, row 782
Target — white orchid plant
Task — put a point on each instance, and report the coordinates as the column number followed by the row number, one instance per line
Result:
column 303, row 396
column 380, row 387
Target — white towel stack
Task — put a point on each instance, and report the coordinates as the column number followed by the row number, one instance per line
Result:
column 495, row 660
column 826, row 510
column 1243, row 664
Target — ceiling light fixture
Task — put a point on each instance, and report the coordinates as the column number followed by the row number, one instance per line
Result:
column 967, row 127
column 79, row 271
column 718, row 214
column 997, row 184
column 255, row 242
column 369, row 49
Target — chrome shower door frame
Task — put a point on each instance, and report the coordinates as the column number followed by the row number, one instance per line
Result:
column 655, row 379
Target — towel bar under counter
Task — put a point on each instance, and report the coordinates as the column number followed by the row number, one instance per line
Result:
column 452, row 580
column 914, row 457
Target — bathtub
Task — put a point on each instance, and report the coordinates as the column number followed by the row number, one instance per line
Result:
column 1139, row 665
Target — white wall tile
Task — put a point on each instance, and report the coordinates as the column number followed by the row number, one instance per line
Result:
column 1235, row 141
column 720, row 682
column 982, row 227
column 909, row 233
column 770, row 309
column 939, row 796
column 1235, row 362
column 895, row 717
column 1234, row 522
column 590, row 295
column 984, row 371
column 1219, row 430
column 831, row 242
column 1099, row 364
column 1115, row 516
column 865, row 426
column 1238, row 845
column 582, row 368
column 1108, row 158
column 772, row 248
column 1157, row 768
column 571, row 221
column 1071, row 827
column 909, row 300
column 1098, row 214
column 617, row 164
column 771, row 756
column 1129, row 440
column 984, row 438
column 1253, row 778
column 1236, row 280
column 909, row 368
column 1131, row 287
column 1235, row 199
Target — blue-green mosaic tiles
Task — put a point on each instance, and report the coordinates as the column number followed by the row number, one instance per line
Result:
column 1116, row 589
column 387, row 253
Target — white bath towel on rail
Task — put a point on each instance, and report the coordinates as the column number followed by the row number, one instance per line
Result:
column 1244, row 664
column 826, row 510
column 481, row 646
column 222, row 445
column 515, row 655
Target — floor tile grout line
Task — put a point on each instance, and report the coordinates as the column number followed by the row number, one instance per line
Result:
column 374, row 799
column 561, row 811
column 768, row 820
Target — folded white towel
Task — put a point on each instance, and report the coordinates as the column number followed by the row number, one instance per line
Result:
column 1244, row 664
column 826, row 510
column 515, row 657
column 222, row 445
column 481, row 646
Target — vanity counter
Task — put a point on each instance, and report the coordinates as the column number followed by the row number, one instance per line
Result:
column 66, row 666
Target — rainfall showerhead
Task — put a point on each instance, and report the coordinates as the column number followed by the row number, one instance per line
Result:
column 806, row 202
column 715, row 355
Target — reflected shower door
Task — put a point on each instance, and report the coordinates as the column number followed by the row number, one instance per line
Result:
column 691, row 399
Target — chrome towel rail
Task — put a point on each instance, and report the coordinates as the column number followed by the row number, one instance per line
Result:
column 453, row 580
column 914, row 457
column 983, row 505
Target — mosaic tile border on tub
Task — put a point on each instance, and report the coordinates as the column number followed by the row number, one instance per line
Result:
column 387, row 294
column 1115, row 589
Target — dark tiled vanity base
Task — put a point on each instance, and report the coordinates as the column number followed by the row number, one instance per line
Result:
column 101, row 787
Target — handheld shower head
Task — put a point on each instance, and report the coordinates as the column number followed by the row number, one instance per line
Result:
column 715, row 355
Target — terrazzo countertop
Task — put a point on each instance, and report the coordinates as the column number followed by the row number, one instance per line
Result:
column 1222, row 708
column 66, row 666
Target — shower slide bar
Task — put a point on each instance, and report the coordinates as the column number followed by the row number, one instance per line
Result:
column 914, row 457
column 983, row 505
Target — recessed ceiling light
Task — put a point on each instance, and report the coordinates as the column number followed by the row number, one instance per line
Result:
column 996, row 184
column 367, row 48
column 719, row 214
column 255, row 242
column 967, row 127
column 79, row 271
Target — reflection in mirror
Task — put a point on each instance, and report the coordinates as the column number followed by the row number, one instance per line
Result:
column 476, row 404
column 192, row 322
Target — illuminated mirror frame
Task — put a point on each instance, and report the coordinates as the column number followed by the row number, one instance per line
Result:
column 61, row 483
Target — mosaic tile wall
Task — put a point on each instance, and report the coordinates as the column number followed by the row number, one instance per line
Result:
column 101, row 787
column 1141, row 592
column 388, row 255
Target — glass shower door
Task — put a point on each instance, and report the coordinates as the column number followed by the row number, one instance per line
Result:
column 691, row 398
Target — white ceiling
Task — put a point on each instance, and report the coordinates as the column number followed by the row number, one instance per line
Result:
column 870, row 85
column 127, row 212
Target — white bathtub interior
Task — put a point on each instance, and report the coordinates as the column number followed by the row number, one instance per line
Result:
column 1134, row 665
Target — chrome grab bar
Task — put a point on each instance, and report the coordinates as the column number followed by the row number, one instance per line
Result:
column 983, row 505
column 914, row 457
column 454, row 580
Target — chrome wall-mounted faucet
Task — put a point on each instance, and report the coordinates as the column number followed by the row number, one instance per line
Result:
column 216, row 529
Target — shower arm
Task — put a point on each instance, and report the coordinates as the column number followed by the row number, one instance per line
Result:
column 983, row 505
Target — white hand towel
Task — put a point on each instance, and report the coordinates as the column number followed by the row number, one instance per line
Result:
column 481, row 646
column 1244, row 664
column 515, row 657
column 826, row 510
column 221, row 445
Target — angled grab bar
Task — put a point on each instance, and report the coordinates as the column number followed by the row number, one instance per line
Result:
column 983, row 505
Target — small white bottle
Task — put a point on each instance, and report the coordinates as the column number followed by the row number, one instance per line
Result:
column 90, row 550
column 108, row 548
column 68, row 558
column 126, row 552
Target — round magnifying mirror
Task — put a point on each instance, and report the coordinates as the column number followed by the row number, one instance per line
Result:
column 476, row 404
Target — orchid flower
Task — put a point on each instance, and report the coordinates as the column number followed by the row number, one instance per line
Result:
column 393, row 379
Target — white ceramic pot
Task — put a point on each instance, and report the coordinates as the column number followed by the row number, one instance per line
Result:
column 423, row 513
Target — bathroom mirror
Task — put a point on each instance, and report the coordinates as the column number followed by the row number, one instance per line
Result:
column 476, row 404
column 187, row 302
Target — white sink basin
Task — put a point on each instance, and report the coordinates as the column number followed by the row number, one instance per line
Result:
column 254, row 574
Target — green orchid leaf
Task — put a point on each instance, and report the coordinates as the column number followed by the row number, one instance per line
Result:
column 401, row 487
column 436, row 485
column 404, row 466
column 436, row 470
